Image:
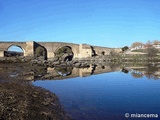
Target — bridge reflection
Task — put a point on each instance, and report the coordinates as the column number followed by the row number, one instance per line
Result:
column 59, row 73
column 32, row 73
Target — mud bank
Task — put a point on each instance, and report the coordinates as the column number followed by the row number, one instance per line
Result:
column 25, row 102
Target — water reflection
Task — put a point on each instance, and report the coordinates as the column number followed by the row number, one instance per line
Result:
column 105, row 92
column 61, row 72
column 32, row 73
column 64, row 71
column 99, row 92
column 150, row 71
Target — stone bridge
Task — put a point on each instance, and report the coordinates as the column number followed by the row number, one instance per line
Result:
column 50, row 48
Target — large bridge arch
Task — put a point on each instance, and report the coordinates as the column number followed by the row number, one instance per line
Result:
column 52, row 47
column 64, row 53
column 19, row 46
column 14, row 50
column 40, row 51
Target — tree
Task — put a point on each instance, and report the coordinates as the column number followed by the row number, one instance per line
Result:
column 125, row 48
column 151, row 52
column 113, row 52
column 136, row 44
column 149, row 42
column 136, row 74
column 150, row 71
column 156, row 42
column 103, row 53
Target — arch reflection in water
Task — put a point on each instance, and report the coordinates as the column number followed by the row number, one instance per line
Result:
column 64, row 71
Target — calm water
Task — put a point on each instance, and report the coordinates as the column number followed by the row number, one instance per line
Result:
column 106, row 96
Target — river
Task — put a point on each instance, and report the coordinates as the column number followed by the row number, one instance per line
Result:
column 116, row 94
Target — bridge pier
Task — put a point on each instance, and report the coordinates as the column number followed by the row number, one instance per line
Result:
column 2, row 53
column 29, row 50
column 50, row 55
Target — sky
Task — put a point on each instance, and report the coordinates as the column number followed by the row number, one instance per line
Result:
column 108, row 23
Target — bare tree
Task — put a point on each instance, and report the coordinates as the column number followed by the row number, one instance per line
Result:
column 156, row 42
column 151, row 52
column 149, row 42
column 136, row 44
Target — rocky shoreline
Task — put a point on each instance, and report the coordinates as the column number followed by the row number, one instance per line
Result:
column 26, row 102
column 19, row 99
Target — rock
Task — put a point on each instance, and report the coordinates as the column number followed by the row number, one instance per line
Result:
column 39, row 62
column 34, row 61
column 85, row 65
column 55, row 59
column 56, row 63
column 77, row 64
column 74, row 61
column 68, row 63
column 45, row 62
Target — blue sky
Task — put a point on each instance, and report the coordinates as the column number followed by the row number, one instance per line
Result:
column 108, row 23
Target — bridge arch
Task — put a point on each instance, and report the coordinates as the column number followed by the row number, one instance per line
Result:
column 15, row 50
column 16, row 46
column 40, row 52
column 64, row 53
